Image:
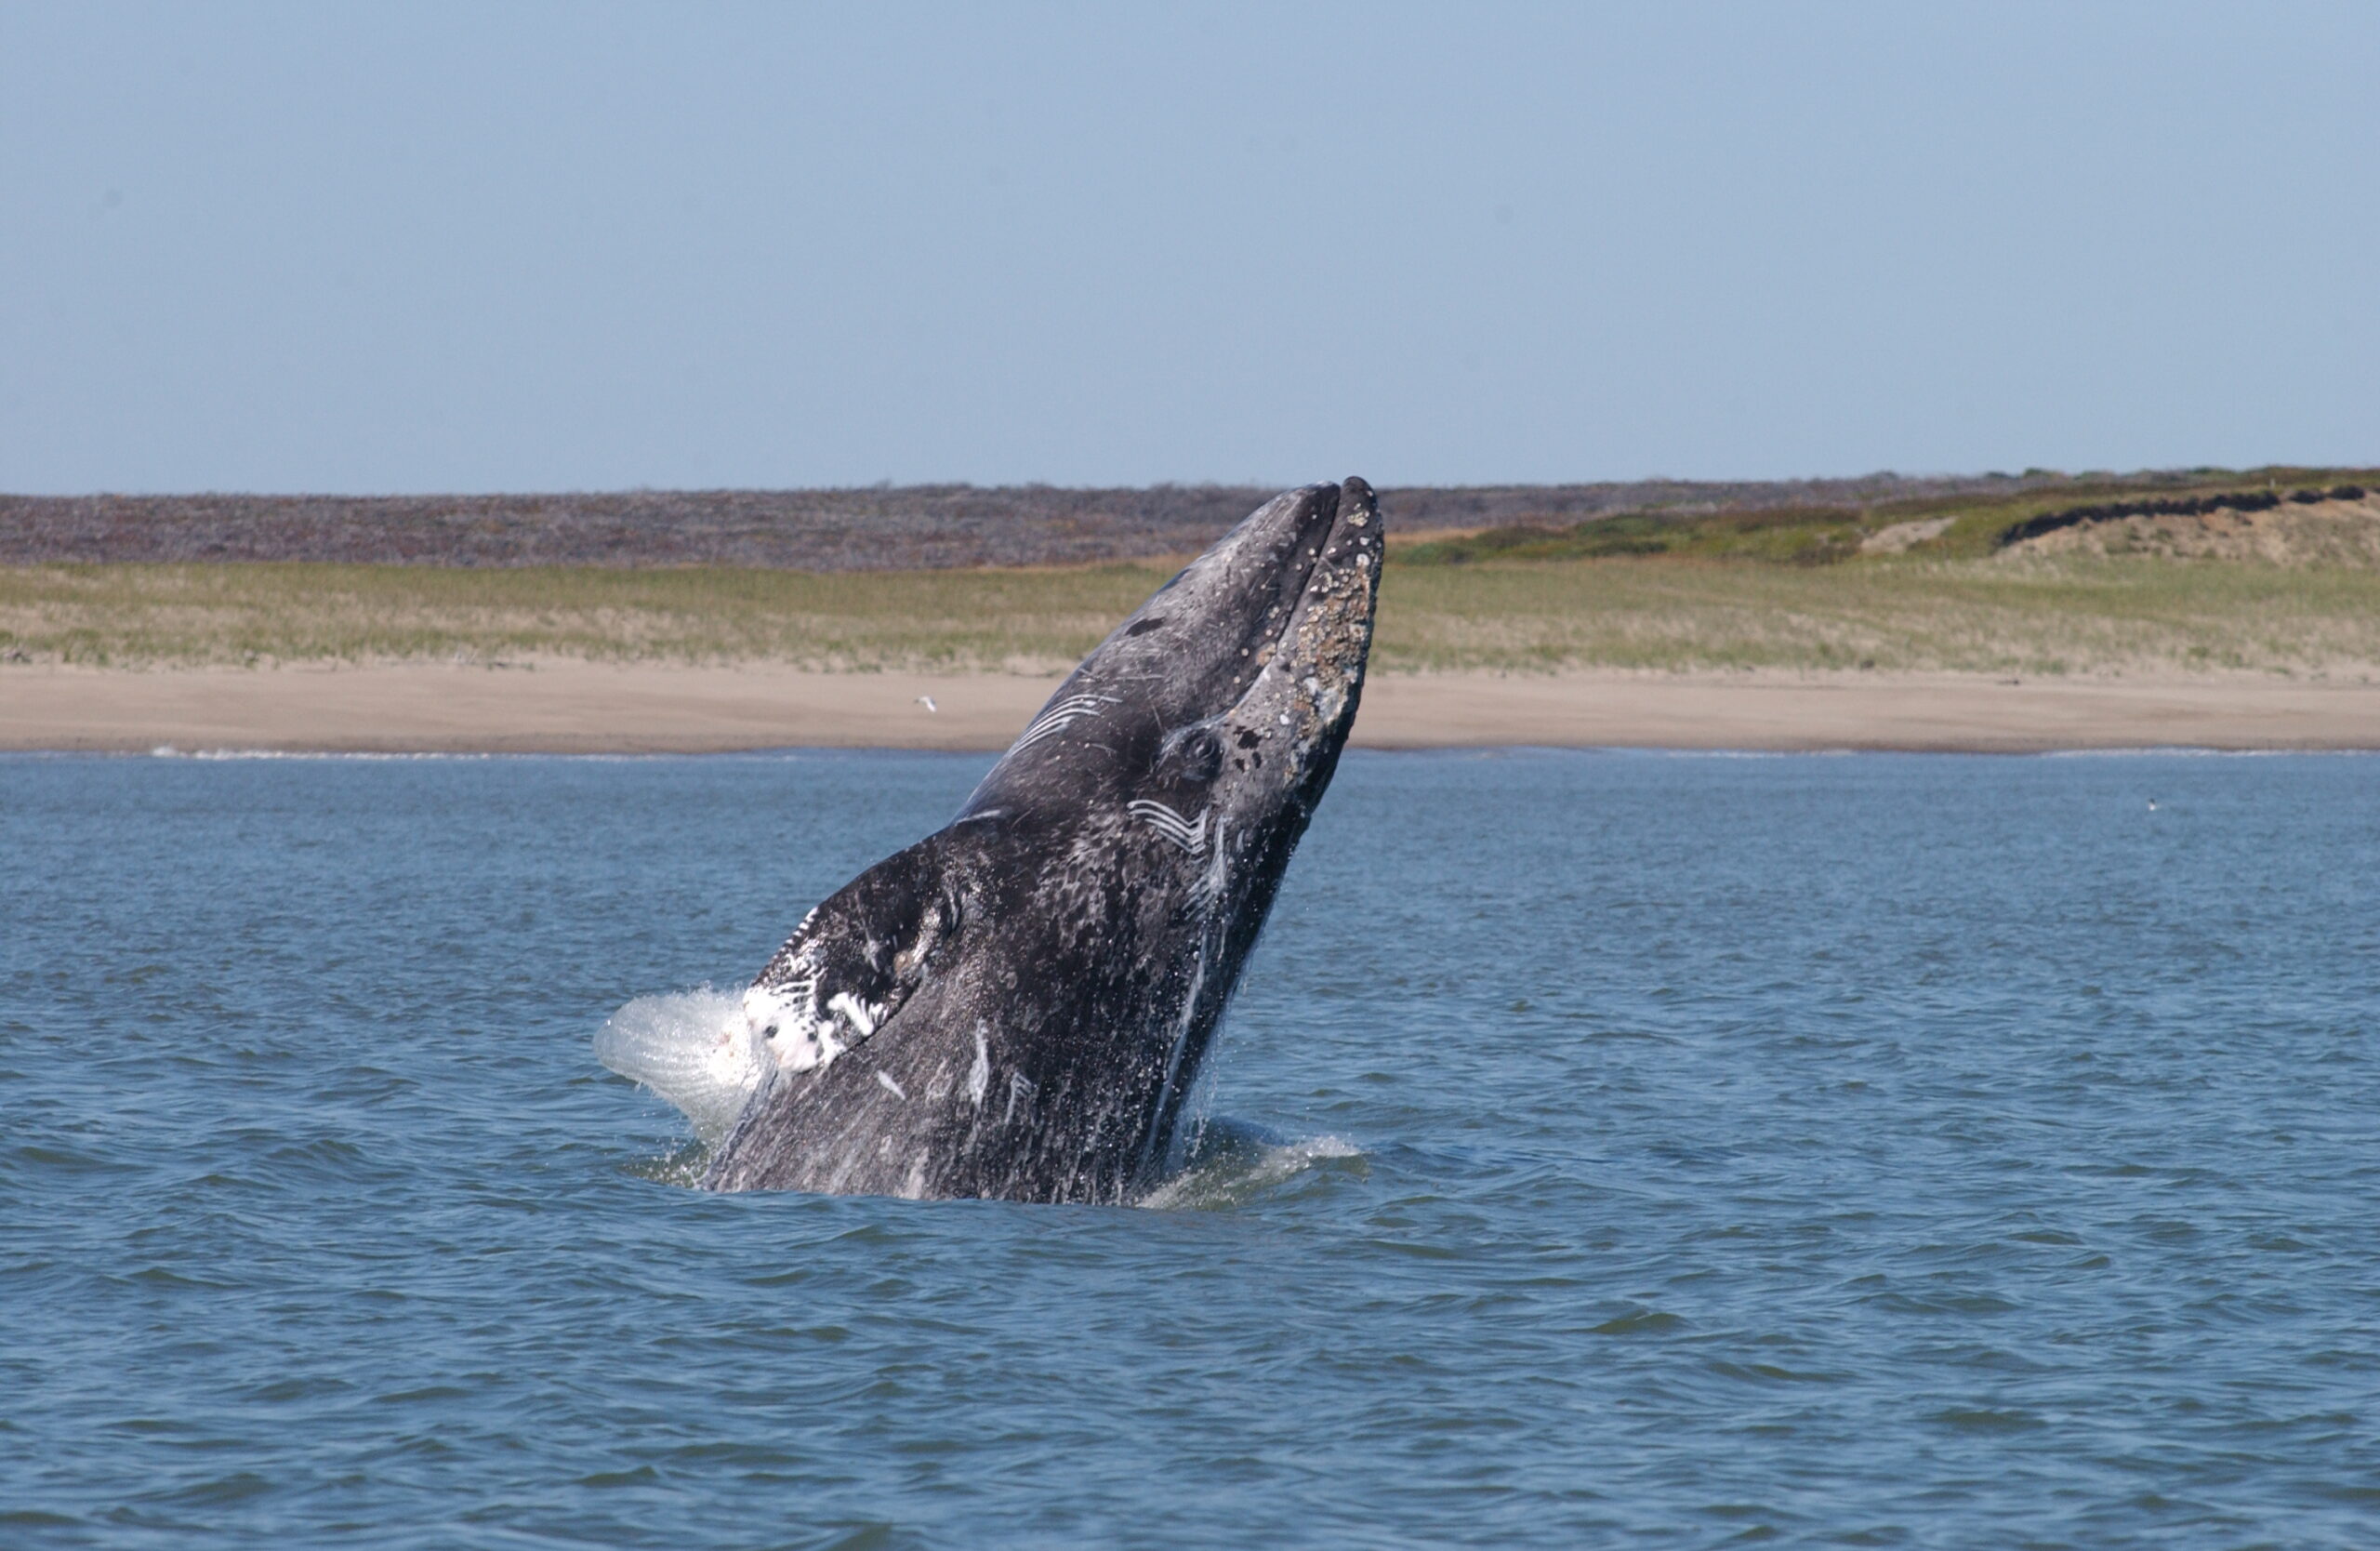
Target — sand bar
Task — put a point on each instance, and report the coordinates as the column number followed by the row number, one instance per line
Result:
column 585, row 708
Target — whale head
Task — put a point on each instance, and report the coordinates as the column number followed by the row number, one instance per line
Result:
column 1231, row 690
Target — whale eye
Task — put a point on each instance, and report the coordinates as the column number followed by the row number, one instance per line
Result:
column 1196, row 758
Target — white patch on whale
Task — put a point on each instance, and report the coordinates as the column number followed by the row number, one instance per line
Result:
column 1190, row 835
column 1209, row 886
column 781, row 1016
column 861, row 1014
column 979, row 1076
column 1180, row 1036
column 1055, row 720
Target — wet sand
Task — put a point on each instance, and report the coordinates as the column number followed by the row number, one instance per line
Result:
column 582, row 708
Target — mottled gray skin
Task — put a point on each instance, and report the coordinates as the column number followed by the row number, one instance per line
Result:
column 1022, row 998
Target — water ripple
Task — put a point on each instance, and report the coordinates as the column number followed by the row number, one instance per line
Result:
column 1864, row 1151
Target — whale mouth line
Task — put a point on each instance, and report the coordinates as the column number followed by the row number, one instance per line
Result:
column 1324, row 550
column 1320, row 556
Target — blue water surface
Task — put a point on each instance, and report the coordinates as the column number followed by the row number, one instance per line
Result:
column 1665, row 1150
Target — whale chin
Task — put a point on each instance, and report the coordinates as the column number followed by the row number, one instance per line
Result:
column 1019, row 1005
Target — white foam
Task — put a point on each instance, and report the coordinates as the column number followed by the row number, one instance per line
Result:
column 694, row 1049
column 1231, row 1163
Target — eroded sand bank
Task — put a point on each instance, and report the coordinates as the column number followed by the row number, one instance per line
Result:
column 583, row 708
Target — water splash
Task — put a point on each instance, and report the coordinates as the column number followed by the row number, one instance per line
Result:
column 1231, row 1163
column 693, row 1048
column 697, row 1049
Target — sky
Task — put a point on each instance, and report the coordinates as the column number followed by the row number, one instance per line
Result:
column 431, row 247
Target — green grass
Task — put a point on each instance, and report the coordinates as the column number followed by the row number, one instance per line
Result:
column 135, row 615
column 1664, row 613
column 1826, row 536
column 1884, row 615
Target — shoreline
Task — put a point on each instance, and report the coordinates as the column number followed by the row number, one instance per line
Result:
column 574, row 706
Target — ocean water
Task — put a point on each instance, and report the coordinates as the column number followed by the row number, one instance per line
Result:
column 1605, row 1149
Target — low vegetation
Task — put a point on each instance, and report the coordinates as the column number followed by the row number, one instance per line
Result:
column 883, row 528
column 1883, row 614
column 1026, row 620
column 1931, row 584
column 2055, row 615
column 1958, row 527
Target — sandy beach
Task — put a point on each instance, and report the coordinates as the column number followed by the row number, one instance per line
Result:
column 583, row 708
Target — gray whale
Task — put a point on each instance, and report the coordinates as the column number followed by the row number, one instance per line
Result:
column 1017, row 1005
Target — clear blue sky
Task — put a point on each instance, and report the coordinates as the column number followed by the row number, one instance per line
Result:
column 474, row 246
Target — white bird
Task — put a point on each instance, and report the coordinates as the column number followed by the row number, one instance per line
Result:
column 2153, row 804
column 927, row 701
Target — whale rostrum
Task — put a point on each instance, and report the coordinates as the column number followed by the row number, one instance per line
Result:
column 1017, row 1006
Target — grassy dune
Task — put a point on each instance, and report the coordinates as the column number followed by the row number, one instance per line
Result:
column 2080, row 616
column 2018, row 614
column 263, row 612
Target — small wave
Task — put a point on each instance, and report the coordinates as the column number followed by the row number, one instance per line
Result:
column 1231, row 1162
column 1743, row 753
column 683, row 1168
column 693, row 1048
column 167, row 751
column 2196, row 751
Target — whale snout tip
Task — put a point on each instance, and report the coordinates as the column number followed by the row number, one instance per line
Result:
column 1358, row 504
